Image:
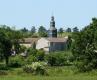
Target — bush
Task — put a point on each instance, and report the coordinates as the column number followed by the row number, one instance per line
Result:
column 22, row 48
column 84, row 66
column 16, row 61
column 40, row 55
column 35, row 55
column 36, row 68
column 28, row 69
column 32, row 51
column 57, row 59
column 31, row 59
column 3, row 67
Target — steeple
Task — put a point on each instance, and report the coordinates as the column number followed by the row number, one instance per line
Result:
column 52, row 23
column 52, row 31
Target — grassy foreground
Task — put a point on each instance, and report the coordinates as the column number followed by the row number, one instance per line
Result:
column 55, row 73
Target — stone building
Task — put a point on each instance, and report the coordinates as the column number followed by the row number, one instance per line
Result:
column 52, row 42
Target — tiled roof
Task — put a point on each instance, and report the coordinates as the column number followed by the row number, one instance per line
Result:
column 57, row 39
column 29, row 40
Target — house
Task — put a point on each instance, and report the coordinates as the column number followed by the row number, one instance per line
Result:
column 52, row 44
column 28, row 42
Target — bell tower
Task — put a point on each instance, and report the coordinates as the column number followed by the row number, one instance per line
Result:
column 52, row 31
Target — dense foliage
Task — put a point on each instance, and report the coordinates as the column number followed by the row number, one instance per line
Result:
column 85, row 47
column 36, row 68
column 58, row 58
column 16, row 61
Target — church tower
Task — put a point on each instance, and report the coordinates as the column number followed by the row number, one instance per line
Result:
column 52, row 31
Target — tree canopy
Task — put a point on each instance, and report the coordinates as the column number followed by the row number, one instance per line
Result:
column 85, row 47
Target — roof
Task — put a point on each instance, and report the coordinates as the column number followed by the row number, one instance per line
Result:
column 57, row 39
column 29, row 40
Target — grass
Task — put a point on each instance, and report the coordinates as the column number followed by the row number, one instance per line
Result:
column 55, row 73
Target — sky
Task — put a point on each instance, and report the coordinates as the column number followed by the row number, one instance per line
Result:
column 28, row 13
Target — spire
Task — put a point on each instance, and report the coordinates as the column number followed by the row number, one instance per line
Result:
column 52, row 18
column 52, row 31
column 52, row 22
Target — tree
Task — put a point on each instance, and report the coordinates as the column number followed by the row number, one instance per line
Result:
column 5, row 47
column 24, row 30
column 13, row 35
column 85, row 47
column 69, row 43
column 34, row 45
column 61, row 31
column 75, row 29
column 33, row 30
column 42, row 31
column 68, row 30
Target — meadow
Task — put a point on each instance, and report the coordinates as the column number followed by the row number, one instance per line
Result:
column 54, row 73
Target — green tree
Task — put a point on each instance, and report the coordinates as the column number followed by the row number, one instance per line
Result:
column 69, row 43
column 5, row 47
column 33, row 30
column 13, row 35
column 42, row 31
column 75, row 29
column 85, row 47
column 61, row 31
column 34, row 45
column 68, row 30
column 24, row 30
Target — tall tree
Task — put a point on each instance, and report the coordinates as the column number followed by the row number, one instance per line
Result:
column 68, row 30
column 24, row 30
column 13, row 35
column 75, row 29
column 33, row 29
column 42, row 31
column 61, row 31
column 5, row 47
column 85, row 47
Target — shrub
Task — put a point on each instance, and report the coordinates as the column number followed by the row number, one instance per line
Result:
column 57, row 59
column 35, row 55
column 28, row 69
column 32, row 51
column 16, row 61
column 22, row 48
column 36, row 68
column 31, row 59
column 40, row 55
column 3, row 67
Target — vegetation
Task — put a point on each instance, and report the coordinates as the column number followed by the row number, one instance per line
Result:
column 16, row 61
column 85, row 47
column 60, row 31
column 42, row 31
column 58, row 58
column 80, row 55
column 36, row 68
column 54, row 73
column 5, row 47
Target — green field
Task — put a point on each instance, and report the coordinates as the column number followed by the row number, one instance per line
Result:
column 54, row 73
